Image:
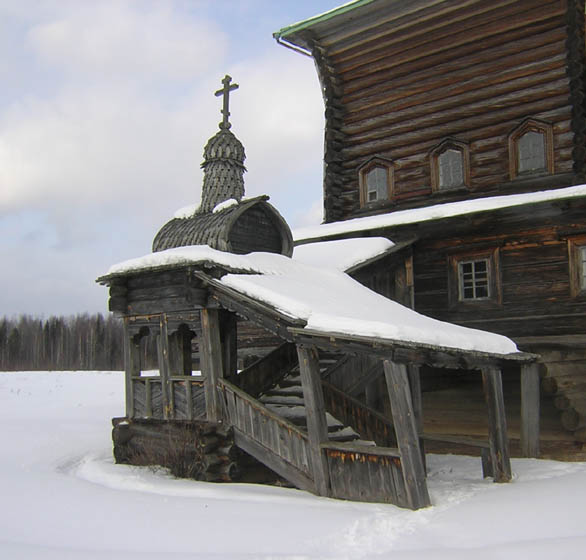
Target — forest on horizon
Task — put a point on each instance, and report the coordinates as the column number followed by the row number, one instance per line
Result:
column 80, row 342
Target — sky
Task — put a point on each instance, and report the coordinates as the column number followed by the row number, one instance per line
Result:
column 105, row 108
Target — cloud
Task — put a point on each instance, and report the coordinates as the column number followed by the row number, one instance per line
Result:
column 121, row 40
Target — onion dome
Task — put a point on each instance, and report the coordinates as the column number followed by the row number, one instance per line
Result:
column 223, row 168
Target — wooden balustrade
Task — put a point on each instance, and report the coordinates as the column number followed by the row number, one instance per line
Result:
column 265, row 428
column 366, row 474
column 185, row 396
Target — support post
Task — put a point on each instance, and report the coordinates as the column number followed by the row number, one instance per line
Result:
column 317, row 426
column 415, row 389
column 131, row 368
column 211, row 362
column 530, row 410
column 497, row 424
column 163, row 349
column 407, row 437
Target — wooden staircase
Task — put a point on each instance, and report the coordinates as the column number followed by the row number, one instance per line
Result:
column 272, row 425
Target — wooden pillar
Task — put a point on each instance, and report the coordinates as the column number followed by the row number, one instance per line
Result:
column 407, row 437
column 228, row 335
column 131, row 367
column 317, row 426
column 530, row 410
column 163, row 350
column 415, row 389
column 497, row 424
column 211, row 362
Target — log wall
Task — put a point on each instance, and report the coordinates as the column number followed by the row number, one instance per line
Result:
column 471, row 71
column 533, row 272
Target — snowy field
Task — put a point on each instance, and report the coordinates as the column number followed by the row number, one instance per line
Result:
column 63, row 498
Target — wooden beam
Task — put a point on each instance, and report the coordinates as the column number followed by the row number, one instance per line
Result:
column 407, row 436
column 273, row 461
column 497, row 425
column 415, row 389
column 317, row 426
column 530, row 410
column 163, row 350
column 131, row 367
column 211, row 362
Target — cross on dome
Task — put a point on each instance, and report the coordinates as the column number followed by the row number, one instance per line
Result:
column 225, row 91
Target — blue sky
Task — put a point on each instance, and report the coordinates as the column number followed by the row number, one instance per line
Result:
column 104, row 111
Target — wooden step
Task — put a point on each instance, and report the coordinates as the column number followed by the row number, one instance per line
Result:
column 285, row 400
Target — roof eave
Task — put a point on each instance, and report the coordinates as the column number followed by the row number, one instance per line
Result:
column 289, row 30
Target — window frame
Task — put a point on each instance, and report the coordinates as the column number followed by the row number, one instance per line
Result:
column 531, row 125
column 576, row 254
column 444, row 146
column 365, row 169
column 455, row 292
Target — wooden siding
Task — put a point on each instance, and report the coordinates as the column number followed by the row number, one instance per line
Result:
column 533, row 269
column 471, row 71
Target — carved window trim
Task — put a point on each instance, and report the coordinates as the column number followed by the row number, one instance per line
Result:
column 455, row 278
column 531, row 125
column 577, row 265
column 363, row 172
column 446, row 145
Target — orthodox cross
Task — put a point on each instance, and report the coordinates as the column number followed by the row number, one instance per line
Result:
column 225, row 91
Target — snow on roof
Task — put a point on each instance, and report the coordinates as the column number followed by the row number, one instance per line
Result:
column 436, row 212
column 327, row 299
column 342, row 254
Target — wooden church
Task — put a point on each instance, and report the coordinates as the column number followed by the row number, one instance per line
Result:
column 455, row 134
column 458, row 130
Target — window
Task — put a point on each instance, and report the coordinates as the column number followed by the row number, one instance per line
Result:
column 531, row 149
column 376, row 181
column 531, row 152
column 577, row 262
column 450, row 167
column 474, row 278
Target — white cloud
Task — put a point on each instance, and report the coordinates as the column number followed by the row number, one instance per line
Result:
column 122, row 40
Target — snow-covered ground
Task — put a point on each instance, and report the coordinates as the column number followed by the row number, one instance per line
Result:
column 63, row 497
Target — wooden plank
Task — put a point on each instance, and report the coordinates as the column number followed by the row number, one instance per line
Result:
column 163, row 348
column 211, row 361
column 407, row 436
column 317, row 426
column 273, row 461
column 189, row 399
column 415, row 388
column 497, row 426
column 530, row 410
column 130, row 370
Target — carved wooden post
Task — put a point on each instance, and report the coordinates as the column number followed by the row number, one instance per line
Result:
column 131, row 367
column 530, row 410
column 407, row 436
column 497, row 424
column 317, row 426
column 211, row 361
column 163, row 349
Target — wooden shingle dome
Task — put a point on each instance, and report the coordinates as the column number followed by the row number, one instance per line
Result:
column 244, row 227
column 224, row 221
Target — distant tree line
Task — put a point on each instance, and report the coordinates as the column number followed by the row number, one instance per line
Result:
column 81, row 342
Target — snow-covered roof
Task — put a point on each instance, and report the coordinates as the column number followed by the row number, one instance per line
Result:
column 327, row 299
column 343, row 254
column 436, row 212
